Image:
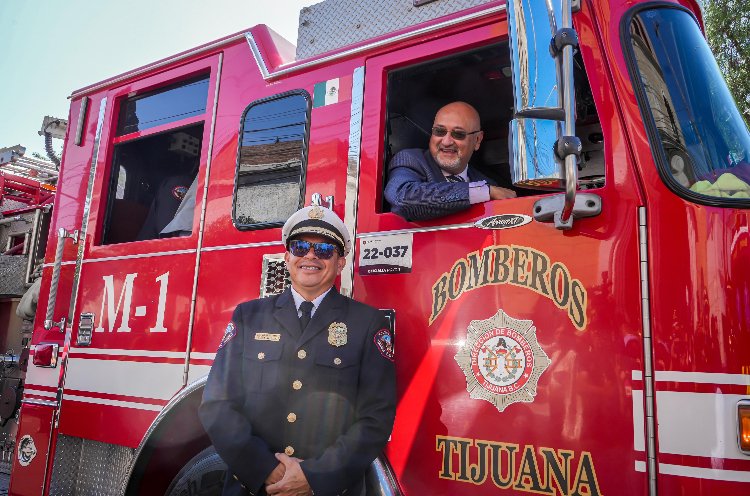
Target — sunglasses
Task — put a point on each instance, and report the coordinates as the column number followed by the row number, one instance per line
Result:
column 456, row 134
column 323, row 251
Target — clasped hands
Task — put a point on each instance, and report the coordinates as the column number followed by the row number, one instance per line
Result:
column 287, row 479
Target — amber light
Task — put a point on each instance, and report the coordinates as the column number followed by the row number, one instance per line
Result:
column 45, row 355
column 743, row 418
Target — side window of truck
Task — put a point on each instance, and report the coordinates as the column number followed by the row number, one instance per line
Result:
column 152, row 184
column 482, row 78
column 270, row 176
column 699, row 139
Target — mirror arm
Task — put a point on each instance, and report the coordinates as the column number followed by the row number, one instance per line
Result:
column 569, row 146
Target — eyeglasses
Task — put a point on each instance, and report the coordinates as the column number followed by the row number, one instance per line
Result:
column 323, row 251
column 456, row 134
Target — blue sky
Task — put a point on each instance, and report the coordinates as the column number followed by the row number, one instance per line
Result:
column 49, row 48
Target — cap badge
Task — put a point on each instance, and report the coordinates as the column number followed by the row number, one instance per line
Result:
column 337, row 334
column 315, row 213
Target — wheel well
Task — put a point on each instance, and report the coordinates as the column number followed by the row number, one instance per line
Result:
column 176, row 439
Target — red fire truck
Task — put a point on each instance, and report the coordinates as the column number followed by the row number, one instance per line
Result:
column 585, row 342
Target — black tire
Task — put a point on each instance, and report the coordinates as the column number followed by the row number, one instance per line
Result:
column 203, row 475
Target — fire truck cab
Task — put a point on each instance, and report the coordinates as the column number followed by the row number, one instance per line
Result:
column 577, row 343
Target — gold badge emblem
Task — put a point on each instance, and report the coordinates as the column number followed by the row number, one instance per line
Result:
column 315, row 213
column 502, row 360
column 337, row 334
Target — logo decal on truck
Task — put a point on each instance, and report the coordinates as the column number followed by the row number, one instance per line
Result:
column 521, row 469
column 520, row 266
column 26, row 450
column 502, row 360
column 503, row 221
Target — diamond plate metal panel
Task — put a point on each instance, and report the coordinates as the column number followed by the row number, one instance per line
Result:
column 337, row 23
column 65, row 468
column 83, row 467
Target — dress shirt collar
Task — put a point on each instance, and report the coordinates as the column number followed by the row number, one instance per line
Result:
column 298, row 299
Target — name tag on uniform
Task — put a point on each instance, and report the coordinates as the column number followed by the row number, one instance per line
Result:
column 267, row 336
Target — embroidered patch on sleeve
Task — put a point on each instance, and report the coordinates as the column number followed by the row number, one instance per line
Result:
column 384, row 342
column 179, row 192
column 228, row 334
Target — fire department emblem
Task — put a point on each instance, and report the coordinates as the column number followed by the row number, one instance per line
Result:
column 179, row 192
column 229, row 333
column 337, row 334
column 26, row 450
column 502, row 360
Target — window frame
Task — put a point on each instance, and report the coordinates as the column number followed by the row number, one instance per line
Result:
column 104, row 170
column 655, row 141
column 304, row 156
column 161, row 89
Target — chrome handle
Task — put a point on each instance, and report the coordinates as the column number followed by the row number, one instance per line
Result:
column 317, row 199
column 50, row 324
column 569, row 146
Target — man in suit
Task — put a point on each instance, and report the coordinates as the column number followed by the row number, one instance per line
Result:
column 424, row 184
column 301, row 396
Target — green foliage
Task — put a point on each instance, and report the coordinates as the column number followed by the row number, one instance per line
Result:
column 728, row 33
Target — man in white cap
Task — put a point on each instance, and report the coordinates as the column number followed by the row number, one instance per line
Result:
column 301, row 397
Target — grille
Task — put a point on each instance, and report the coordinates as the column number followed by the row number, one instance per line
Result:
column 275, row 277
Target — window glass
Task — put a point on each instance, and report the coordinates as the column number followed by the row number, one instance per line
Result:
column 705, row 143
column 273, row 145
column 170, row 104
column 152, row 186
column 481, row 77
column 122, row 179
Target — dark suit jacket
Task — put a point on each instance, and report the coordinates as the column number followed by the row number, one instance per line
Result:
column 417, row 189
column 343, row 397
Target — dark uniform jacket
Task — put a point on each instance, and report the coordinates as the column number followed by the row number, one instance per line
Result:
column 417, row 189
column 273, row 389
column 164, row 205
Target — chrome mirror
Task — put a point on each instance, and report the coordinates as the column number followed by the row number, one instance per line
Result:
column 532, row 153
column 532, row 25
column 545, row 150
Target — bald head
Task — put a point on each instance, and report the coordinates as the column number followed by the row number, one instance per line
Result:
column 463, row 110
column 452, row 155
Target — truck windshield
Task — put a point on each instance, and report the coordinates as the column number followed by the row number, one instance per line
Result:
column 702, row 143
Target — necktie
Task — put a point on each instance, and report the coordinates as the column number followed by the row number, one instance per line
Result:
column 454, row 179
column 306, row 308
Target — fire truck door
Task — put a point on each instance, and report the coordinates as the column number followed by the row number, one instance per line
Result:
column 515, row 342
column 133, row 312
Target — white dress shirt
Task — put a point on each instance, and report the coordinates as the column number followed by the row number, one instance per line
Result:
column 298, row 299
